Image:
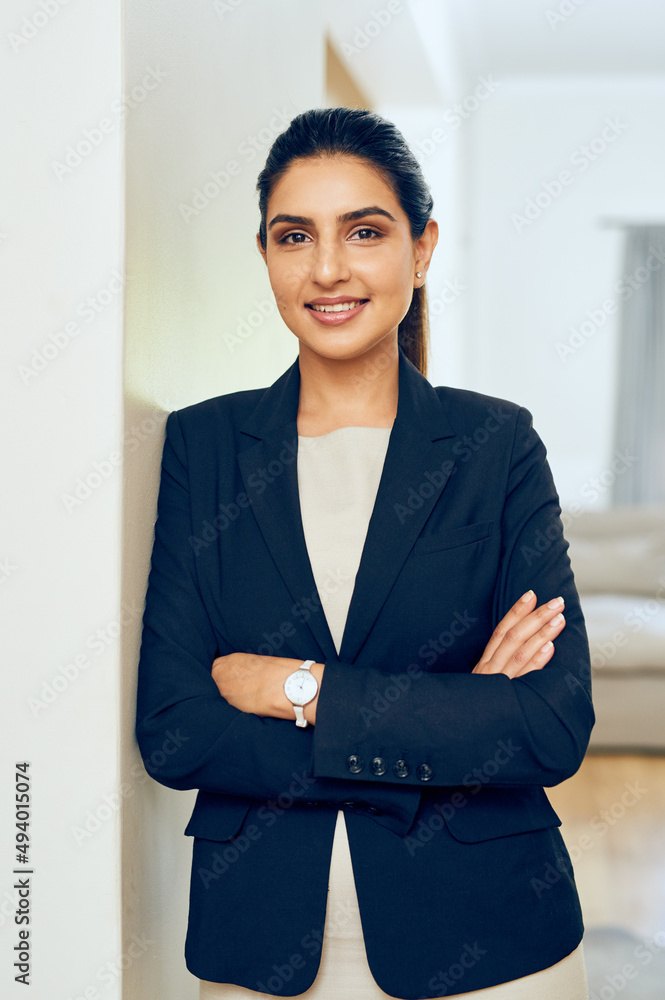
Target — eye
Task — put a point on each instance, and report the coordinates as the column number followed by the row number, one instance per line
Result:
column 366, row 233
column 292, row 239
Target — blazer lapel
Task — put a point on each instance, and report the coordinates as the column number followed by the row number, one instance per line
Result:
column 418, row 464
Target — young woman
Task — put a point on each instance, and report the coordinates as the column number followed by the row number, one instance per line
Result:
column 357, row 587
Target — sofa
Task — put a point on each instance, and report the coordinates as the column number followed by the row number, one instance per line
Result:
column 618, row 558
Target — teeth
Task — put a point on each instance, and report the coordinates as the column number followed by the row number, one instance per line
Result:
column 337, row 308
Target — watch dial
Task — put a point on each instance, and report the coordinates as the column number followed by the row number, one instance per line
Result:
column 300, row 687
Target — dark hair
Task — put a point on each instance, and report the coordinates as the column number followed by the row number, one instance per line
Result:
column 361, row 133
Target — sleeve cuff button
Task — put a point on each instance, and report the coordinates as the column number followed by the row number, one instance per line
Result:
column 354, row 764
column 378, row 766
column 401, row 769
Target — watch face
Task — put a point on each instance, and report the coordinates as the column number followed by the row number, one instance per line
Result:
column 300, row 687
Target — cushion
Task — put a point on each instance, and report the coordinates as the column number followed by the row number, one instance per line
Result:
column 620, row 550
column 625, row 632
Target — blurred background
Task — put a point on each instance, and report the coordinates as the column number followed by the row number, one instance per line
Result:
column 134, row 135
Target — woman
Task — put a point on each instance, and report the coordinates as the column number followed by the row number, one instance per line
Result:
column 348, row 638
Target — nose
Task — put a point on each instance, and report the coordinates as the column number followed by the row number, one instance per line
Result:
column 329, row 263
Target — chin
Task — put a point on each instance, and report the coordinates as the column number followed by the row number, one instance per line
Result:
column 340, row 351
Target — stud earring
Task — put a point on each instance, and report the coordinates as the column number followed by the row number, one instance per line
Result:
column 419, row 274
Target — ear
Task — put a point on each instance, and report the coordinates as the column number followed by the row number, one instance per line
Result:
column 425, row 244
column 261, row 250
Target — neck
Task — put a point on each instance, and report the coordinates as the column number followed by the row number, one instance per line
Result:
column 354, row 392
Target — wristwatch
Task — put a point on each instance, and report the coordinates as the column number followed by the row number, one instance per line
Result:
column 300, row 688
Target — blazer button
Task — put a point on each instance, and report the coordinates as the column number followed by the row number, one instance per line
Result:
column 378, row 766
column 401, row 769
column 354, row 764
column 424, row 772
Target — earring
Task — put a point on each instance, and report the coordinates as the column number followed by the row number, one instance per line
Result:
column 419, row 274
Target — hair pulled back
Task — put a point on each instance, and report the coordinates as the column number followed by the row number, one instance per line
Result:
column 361, row 133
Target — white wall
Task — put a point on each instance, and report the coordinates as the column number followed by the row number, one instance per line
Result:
column 533, row 283
column 200, row 321
column 61, row 245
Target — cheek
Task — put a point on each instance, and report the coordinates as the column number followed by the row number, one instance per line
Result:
column 286, row 286
column 399, row 293
column 395, row 279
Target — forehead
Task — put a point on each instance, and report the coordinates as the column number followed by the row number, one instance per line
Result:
column 331, row 184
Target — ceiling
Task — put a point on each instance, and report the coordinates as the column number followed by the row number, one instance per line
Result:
column 434, row 51
column 554, row 38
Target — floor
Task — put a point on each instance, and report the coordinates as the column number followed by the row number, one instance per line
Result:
column 613, row 813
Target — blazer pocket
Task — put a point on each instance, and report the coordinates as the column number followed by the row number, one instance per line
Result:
column 497, row 812
column 439, row 541
column 217, row 817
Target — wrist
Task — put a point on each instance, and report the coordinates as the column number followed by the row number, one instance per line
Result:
column 310, row 709
column 283, row 706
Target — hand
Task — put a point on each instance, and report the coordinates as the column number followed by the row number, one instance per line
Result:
column 522, row 641
column 254, row 683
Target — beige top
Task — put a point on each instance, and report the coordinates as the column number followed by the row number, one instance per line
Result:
column 338, row 477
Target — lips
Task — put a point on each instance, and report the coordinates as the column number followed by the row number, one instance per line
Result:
column 336, row 307
column 333, row 312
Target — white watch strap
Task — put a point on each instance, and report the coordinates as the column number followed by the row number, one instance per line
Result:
column 299, row 709
column 300, row 716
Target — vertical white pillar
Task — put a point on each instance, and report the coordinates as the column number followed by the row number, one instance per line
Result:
column 61, row 268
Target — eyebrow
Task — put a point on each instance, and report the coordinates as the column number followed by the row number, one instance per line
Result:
column 359, row 213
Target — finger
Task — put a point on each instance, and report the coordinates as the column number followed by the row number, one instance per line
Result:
column 521, row 642
column 512, row 638
column 528, row 653
column 517, row 613
column 519, row 624
column 541, row 658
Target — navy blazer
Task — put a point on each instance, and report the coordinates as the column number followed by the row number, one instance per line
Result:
column 462, row 877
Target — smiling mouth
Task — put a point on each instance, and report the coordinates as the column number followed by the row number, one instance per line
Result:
column 337, row 307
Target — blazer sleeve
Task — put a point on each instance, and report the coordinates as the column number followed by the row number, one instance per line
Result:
column 188, row 734
column 531, row 730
